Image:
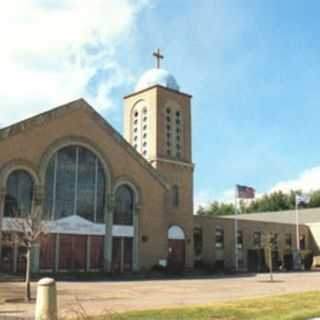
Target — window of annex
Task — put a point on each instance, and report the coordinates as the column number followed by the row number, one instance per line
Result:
column 219, row 237
column 198, row 241
column 302, row 242
column 75, row 185
column 257, row 240
column 288, row 240
column 240, row 239
column 20, row 189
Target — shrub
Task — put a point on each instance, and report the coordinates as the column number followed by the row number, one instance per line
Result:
column 218, row 266
column 158, row 268
column 288, row 260
column 306, row 257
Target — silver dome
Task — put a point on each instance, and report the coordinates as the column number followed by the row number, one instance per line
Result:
column 157, row 76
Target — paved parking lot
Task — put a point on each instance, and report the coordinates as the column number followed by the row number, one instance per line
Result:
column 117, row 296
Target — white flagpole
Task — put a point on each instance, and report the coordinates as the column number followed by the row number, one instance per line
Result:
column 236, row 230
column 297, row 226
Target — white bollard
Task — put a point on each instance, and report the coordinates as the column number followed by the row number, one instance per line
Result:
column 46, row 305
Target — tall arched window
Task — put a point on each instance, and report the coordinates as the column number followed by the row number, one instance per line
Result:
column 75, row 184
column 139, row 127
column 20, row 188
column 174, row 132
column 123, row 214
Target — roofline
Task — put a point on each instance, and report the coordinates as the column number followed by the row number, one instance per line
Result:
column 253, row 217
column 302, row 210
column 38, row 115
column 37, row 119
column 157, row 86
column 23, row 125
column 232, row 218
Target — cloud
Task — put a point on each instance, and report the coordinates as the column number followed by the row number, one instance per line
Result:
column 307, row 181
column 205, row 197
column 51, row 51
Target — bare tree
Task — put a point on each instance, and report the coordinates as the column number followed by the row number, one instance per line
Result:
column 29, row 228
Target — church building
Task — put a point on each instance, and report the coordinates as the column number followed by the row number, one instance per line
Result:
column 114, row 203
column 111, row 203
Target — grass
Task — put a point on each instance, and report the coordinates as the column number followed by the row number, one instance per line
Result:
column 301, row 306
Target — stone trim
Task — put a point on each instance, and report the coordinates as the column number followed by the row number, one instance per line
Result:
column 18, row 164
column 186, row 236
column 176, row 162
column 125, row 180
column 3, row 193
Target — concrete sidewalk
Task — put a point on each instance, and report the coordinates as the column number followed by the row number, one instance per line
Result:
column 110, row 296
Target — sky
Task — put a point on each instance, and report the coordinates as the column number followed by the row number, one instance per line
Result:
column 252, row 68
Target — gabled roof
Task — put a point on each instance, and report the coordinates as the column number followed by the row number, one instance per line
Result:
column 80, row 104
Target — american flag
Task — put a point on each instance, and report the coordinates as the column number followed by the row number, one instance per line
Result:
column 245, row 192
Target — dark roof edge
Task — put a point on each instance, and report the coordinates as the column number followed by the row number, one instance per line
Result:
column 232, row 219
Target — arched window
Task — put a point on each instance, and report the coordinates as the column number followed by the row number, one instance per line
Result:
column 75, row 184
column 20, row 188
column 173, row 128
column 175, row 196
column 123, row 214
column 139, row 125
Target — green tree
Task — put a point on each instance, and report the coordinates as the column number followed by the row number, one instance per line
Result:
column 275, row 201
column 314, row 199
column 216, row 209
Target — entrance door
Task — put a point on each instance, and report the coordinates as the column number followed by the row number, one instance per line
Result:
column 47, row 252
column 176, row 249
column 122, row 254
column 96, row 252
column 72, row 254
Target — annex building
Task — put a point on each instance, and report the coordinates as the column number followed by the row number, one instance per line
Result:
column 215, row 242
column 112, row 202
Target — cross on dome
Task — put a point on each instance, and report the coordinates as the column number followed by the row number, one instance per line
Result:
column 157, row 76
column 158, row 57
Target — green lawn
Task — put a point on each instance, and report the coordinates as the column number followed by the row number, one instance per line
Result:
column 294, row 307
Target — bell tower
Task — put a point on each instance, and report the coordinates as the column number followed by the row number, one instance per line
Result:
column 157, row 123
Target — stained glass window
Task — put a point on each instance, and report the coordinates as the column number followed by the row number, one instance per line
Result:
column 75, row 184
column 124, row 206
column 19, row 196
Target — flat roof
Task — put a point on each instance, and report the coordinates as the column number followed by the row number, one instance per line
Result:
column 306, row 216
